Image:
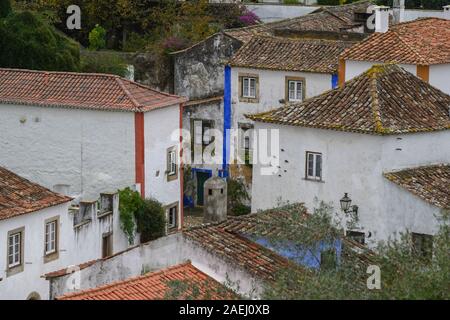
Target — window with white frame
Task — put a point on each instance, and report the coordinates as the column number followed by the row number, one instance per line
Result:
column 50, row 237
column 172, row 217
column 171, row 162
column 248, row 87
column 295, row 90
column 313, row 166
column 14, row 249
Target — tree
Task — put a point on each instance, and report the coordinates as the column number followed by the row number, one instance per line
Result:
column 26, row 41
column 5, row 8
column 97, row 38
column 404, row 275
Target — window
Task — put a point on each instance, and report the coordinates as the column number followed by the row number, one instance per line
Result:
column 107, row 245
column 295, row 88
column 50, row 237
column 172, row 216
column 357, row 236
column 313, row 166
column 171, row 170
column 249, row 87
column 423, row 245
column 14, row 249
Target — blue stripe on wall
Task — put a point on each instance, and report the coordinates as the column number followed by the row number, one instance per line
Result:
column 226, row 120
column 334, row 81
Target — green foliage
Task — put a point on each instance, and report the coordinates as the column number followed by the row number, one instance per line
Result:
column 103, row 62
column 26, row 41
column 130, row 202
column 290, row 1
column 144, row 216
column 403, row 274
column 237, row 194
column 5, row 8
column 97, row 38
column 151, row 221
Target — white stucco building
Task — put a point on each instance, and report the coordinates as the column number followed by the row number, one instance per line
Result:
column 42, row 233
column 354, row 140
column 422, row 47
column 87, row 133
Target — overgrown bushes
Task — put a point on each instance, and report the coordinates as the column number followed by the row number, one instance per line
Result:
column 146, row 217
column 29, row 42
column 237, row 196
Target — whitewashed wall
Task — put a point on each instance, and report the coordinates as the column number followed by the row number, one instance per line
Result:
column 440, row 77
column 92, row 151
column 76, row 245
column 439, row 73
column 161, row 125
column 272, row 89
column 21, row 285
column 270, row 12
column 355, row 68
column 352, row 163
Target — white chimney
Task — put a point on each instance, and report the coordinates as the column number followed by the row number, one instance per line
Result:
column 398, row 10
column 381, row 19
column 447, row 12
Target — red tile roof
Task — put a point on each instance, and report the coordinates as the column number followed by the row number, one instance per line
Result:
column 80, row 90
column 20, row 196
column 383, row 100
column 423, row 42
column 157, row 286
column 430, row 183
column 290, row 54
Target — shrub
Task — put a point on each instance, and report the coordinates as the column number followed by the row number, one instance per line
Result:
column 151, row 220
column 97, row 38
column 104, row 62
column 130, row 202
column 237, row 194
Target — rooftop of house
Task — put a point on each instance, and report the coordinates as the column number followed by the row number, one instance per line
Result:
column 158, row 286
column 329, row 19
column 290, row 54
column 80, row 90
column 233, row 240
column 430, row 183
column 259, row 261
column 424, row 42
column 384, row 100
column 19, row 196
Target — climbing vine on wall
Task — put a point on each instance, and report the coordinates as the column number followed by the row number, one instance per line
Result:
column 138, row 215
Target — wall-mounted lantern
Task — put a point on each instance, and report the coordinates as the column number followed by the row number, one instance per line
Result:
column 346, row 205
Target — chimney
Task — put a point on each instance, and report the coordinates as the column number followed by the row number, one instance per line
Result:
column 215, row 194
column 447, row 12
column 381, row 19
column 398, row 9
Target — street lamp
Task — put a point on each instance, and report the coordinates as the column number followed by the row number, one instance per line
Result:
column 346, row 205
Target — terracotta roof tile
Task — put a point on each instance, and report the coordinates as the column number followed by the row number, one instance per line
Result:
column 80, row 90
column 430, row 183
column 20, row 196
column 290, row 54
column 424, row 41
column 329, row 19
column 257, row 260
column 383, row 100
column 156, row 286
